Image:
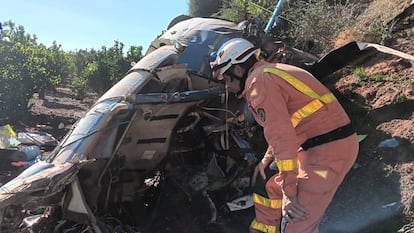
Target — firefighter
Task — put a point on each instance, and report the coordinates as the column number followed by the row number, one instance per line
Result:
column 309, row 136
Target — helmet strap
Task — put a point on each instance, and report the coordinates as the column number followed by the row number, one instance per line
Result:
column 242, row 83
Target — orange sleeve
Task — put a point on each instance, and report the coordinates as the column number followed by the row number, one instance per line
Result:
column 268, row 103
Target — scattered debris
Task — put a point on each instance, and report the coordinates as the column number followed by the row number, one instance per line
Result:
column 14, row 158
column 41, row 139
column 241, row 203
column 16, row 155
column 27, row 156
column 356, row 165
column 61, row 125
column 31, row 220
column 362, row 137
column 28, row 153
column 388, row 143
column 389, row 205
column 7, row 137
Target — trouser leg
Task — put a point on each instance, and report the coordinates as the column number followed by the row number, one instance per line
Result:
column 267, row 199
column 320, row 174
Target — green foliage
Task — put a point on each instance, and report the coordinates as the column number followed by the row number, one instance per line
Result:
column 411, row 83
column 239, row 10
column 315, row 23
column 203, row 8
column 18, row 71
column 134, row 54
column 363, row 77
column 233, row 10
column 379, row 78
column 376, row 25
column 80, row 85
column 58, row 65
column 109, row 66
column 400, row 99
column 408, row 32
column 360, row 73
column 27, row 67
column 98, row 70
column 79, row 62
column 263, row 8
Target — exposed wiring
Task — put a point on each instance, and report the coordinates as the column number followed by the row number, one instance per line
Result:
column 227, row 123
column 108, row 190
column 191, row 126
column 219, row 109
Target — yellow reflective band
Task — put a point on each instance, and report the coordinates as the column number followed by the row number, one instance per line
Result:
column 322, row 173
column 308, row 110
column 287, row 164
column 274, row 204
column 328, row 98
column 311, row 107
column 254, row 93
column 299, row 85
column 263, row 227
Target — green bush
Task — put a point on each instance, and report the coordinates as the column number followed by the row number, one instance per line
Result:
column 315, row 24
column 27, row 67
column 360, row 73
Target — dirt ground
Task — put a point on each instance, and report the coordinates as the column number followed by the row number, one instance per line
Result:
column 378, row 193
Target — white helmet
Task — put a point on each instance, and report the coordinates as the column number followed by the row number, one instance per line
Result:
column 233, row 51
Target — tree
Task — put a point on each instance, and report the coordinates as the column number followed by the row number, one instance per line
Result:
column 204, row 8
column 109, row 68
column 18, row 71
column 59, row 64
column 98, row 70
column 134, row 54
column 27, row 67
column 79, row 62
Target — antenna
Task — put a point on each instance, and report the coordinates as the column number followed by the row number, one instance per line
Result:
column 274, row 16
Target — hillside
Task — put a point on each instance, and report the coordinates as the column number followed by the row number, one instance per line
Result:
column 378, row 192
column 382, row 181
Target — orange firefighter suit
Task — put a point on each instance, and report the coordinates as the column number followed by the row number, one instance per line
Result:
column 310, row 138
